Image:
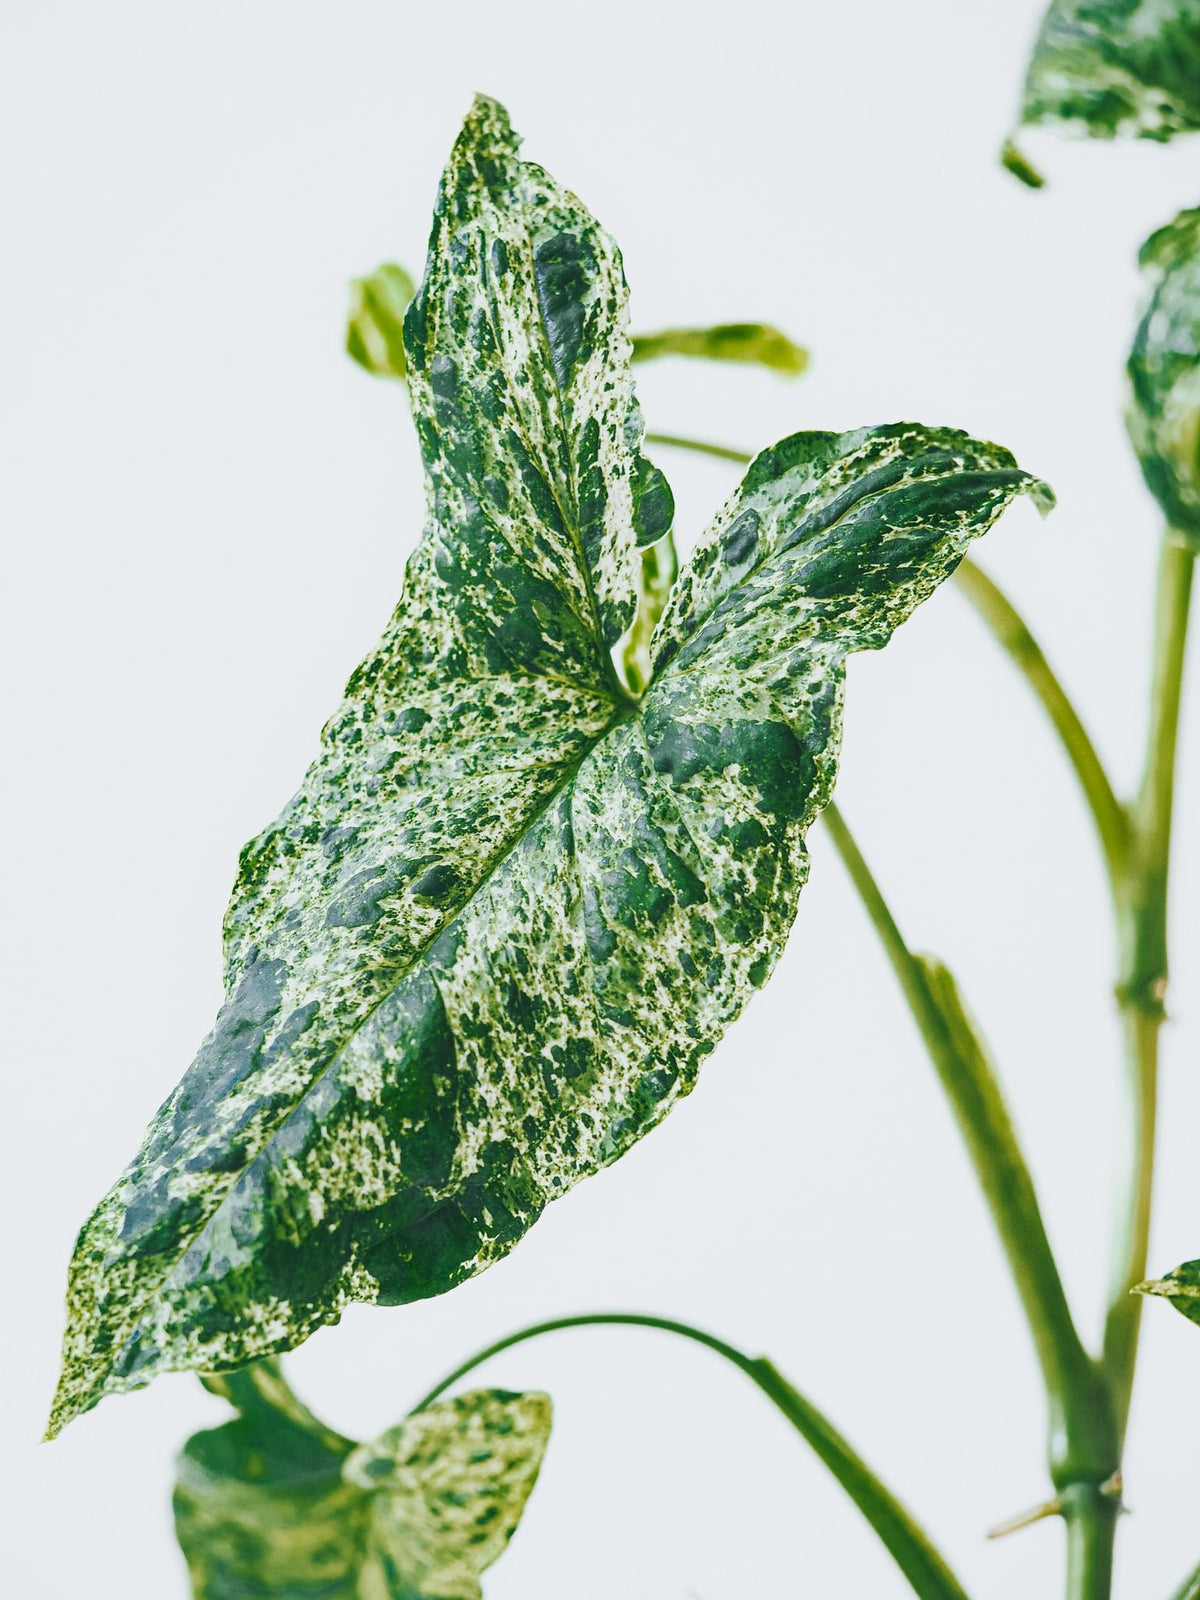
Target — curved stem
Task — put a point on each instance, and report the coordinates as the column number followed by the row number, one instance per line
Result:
column 1144, row 967
column 1082, row 1444
column 908, row 1545
column 1012, row 634
column 678, row 442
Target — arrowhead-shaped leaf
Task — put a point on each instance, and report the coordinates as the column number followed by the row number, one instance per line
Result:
column 278, row 1507
column 511, row 909
column 1109, row 68
column 1164, row 373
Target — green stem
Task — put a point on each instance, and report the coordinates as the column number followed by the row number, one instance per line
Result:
column 1143, row 971
column 1190, row 1588
column 908, row 1545
column 1082, row 1444
column 678, row 442
column 1091, row 1516
column 1011, row 632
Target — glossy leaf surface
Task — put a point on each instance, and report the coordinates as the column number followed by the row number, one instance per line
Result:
column 511, row 909
column 280, row 1508
column 1163, row 413
column 1108, row 68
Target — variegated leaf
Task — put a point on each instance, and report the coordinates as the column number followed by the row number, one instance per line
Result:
column 1181, row 1288
column 752, row 343
column 276, row 1506
column 1163, row 413
column 1108, row 68
column 448, row 1487
column 511, row 909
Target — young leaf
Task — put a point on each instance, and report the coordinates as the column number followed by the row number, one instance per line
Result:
column 755, row 343
column 448, row 1488
column 1109, row 68
column 511, row 909
column 283, row 1509
column 375, row 327
column 1163, row 414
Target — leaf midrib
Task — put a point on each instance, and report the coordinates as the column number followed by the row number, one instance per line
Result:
column 624, row 714
column 571, row 517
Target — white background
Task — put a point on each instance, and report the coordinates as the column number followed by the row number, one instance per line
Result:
column 207, row 510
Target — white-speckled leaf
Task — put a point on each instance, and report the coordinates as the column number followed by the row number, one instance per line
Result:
column 277, row 1507
column 1163, row 413
column 511, row 909
column 450, row 1485
column 1108, row 68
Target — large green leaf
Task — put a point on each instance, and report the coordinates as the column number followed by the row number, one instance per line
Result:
column 276, row 1506
column 1116, row 67
column 1164, row 372
column 511, row 909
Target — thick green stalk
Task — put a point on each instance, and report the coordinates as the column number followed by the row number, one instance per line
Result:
column 1091, row 1515
column 1011, row 632
column 1082, row 1445
column 908, row 1545
column 1143, row 971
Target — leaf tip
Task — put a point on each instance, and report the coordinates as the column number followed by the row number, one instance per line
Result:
column 1042, row 495
column 1160, row 1288
column 1015, row 162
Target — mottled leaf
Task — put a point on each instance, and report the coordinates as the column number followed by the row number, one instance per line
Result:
column 274, row 1506
column 448, row 1488
column 755, row 343
column 511, row 909
column 1108, row 68
column 375, row 325
column 1181, row 1288
column 1163, row 414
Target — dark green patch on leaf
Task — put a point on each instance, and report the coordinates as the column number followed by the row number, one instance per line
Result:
column 1163, row 414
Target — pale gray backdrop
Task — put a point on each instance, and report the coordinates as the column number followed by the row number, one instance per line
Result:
column 207, row 512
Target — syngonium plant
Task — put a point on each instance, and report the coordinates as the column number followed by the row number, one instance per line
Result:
column 552, row 842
